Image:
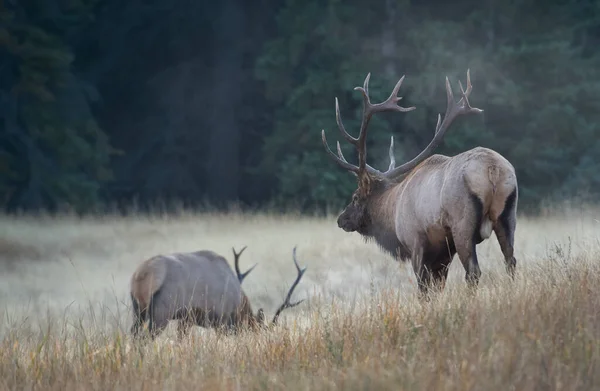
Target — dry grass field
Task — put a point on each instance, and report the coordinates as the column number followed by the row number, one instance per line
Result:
column 66, row 311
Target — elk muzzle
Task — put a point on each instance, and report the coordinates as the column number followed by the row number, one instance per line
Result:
column 345, row 223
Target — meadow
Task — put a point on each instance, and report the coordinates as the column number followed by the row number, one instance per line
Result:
column 66, row 310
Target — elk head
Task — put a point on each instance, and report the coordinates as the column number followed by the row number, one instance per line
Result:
column 358, row 214
column 258, row 320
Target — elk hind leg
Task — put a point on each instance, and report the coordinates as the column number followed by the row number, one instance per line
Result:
column 466, row 234
column 505, row 232
column 431, row 280
column 158, row 315
column 139, row 316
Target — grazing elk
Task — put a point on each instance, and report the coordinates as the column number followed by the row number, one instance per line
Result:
column 433, row 206
column 196, row 288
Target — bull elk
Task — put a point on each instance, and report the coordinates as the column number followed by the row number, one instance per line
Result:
column 196, row 288
column 433, row 206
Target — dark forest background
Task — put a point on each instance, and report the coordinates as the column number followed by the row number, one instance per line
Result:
column 188, row 102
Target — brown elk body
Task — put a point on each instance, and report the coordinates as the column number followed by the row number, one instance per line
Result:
column 433, row 206
column 196, row 288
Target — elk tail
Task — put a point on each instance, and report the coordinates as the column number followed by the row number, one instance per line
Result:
column 493, row 176
column 146, row 284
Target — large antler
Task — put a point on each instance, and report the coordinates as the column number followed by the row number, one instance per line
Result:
column 236, row 256
column 453, row 110
column 390, row 104
column 286, row 302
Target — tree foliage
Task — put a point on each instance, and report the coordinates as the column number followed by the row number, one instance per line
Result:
column 53, row 152
column 226, row 101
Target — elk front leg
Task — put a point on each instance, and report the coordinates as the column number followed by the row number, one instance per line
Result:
column 432, row 271
column 422, row 274
column 421, row 263
column 158, row 316
column 424, row 283
column 439, row 271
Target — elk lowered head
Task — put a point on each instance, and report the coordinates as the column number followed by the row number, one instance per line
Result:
column 258, row 320
column 365, row 203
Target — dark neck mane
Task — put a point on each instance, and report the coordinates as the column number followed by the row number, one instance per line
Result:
column 382, row 224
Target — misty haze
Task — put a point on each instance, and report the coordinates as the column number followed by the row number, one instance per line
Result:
column 436, row 166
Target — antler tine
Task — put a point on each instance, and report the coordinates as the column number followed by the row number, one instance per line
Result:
column 450, row 105
column 391, row 153
column 339, row 151
column 465, row 94
column 469, row 86
column 370, row 169
column 236, row 256
column 286, row 302
column 361, row 143
column 338, row 120
column 394, row 98
column 342, row 163
column 465, row 97
column 437, row 126
column 390, row 104
column 453, row 110
column 366, row 85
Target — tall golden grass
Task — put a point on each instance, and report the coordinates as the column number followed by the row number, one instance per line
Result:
column 66, row 311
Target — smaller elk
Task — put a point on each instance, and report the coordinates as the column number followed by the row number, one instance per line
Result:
column 197, row 288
